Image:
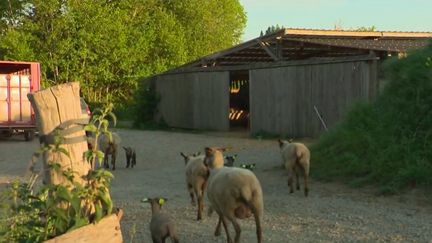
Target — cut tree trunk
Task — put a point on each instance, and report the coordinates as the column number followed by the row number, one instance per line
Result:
column 53, row 107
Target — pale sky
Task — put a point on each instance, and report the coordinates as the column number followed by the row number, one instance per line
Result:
column 394, row 15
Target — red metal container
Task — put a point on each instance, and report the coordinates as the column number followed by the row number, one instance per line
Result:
column 17, row 79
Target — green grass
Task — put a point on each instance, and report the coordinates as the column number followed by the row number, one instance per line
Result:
column 388, row 142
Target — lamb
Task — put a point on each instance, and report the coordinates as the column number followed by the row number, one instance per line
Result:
column 109, row 147
column 230, row 160
column 196, row 179
column 296, row 157
column 161, row 226
column 130, row 156
column 234, row 193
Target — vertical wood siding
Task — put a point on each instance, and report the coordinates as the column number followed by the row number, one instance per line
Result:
column 197, row 100
column 282, row 99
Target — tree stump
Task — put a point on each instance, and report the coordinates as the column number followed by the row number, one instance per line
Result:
column 55, row 107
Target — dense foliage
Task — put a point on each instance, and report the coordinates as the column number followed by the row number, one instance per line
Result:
column 389, row 141
column 32, row 213
column 108, row 45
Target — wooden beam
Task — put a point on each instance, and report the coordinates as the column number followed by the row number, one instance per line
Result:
column 267, row 49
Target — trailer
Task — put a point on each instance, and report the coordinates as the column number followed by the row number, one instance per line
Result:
column 17, row 79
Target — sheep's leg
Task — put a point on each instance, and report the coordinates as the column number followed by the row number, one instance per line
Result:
column 191, row 194
column 217, row 231
column 113, row 159
column 223, row 219
column 128, row 160
column 173, row 235
column 156, row 240
column 257, row 222
column 133, row 159
column 105, row 161
column 290, row 179
column 236, row 228
column 200, row 204
column 306, row 178
column 297, row 179
column 200, row 200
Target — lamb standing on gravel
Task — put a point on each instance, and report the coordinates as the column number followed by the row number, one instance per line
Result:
column 161, row 226
column 234, row 193
column 196, row 179
column 109, row 147
column 130, row 156
column 296, row 157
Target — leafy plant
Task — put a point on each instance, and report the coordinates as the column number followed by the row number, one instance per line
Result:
column 30, row 215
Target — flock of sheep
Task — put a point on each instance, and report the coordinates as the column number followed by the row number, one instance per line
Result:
column 233, row 192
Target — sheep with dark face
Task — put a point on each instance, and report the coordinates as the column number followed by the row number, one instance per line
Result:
column 130, row 156
column 234, row 193
column 296, row 157
column 230, row 160
column 161, row 226
column 196, row 179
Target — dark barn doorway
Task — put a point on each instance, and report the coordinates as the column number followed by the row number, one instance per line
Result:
column 239, row 99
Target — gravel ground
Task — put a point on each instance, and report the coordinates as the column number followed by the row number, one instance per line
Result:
column 331, row 213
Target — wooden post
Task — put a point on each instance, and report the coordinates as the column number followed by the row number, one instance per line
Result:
column 55, row 106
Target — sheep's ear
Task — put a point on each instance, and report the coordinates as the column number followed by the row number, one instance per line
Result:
column 145, row 200
column 290, row 140
column 281, row 142
column 243, row 166
column 183, row 155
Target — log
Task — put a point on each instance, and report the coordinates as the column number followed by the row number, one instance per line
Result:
column 105, row 231
column 53, row 107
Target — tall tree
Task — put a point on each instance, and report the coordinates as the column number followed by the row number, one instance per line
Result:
column 107, row 45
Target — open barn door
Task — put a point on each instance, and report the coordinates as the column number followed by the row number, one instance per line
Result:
column 239, row 99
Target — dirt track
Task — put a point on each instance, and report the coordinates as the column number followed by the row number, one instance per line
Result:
column 331, row 213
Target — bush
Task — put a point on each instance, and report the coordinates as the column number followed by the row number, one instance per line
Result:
column 386, row 142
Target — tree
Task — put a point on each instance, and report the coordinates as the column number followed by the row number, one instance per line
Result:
column 108, row 45
column 272, row 29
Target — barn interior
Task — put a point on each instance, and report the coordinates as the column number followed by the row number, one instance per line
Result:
column 239, row 99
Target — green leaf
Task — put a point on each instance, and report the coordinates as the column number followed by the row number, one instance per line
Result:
column 90, row 127
column 79, row 222
column 98, row 213
column 113, row 117
column 63, row 193
column 63, row 151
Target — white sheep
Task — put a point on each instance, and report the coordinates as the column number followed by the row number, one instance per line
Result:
column 161, row 226
column 234, row 193
column 196, row 179
column 296, row 158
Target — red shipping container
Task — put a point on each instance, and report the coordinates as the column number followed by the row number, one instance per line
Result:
column 17, row 79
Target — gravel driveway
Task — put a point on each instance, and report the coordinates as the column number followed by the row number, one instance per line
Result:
column 331, row 213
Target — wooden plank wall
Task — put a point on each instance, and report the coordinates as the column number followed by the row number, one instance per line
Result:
column 196, row 100
column 282, row 99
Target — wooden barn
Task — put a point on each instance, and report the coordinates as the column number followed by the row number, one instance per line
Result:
column 294, row 82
